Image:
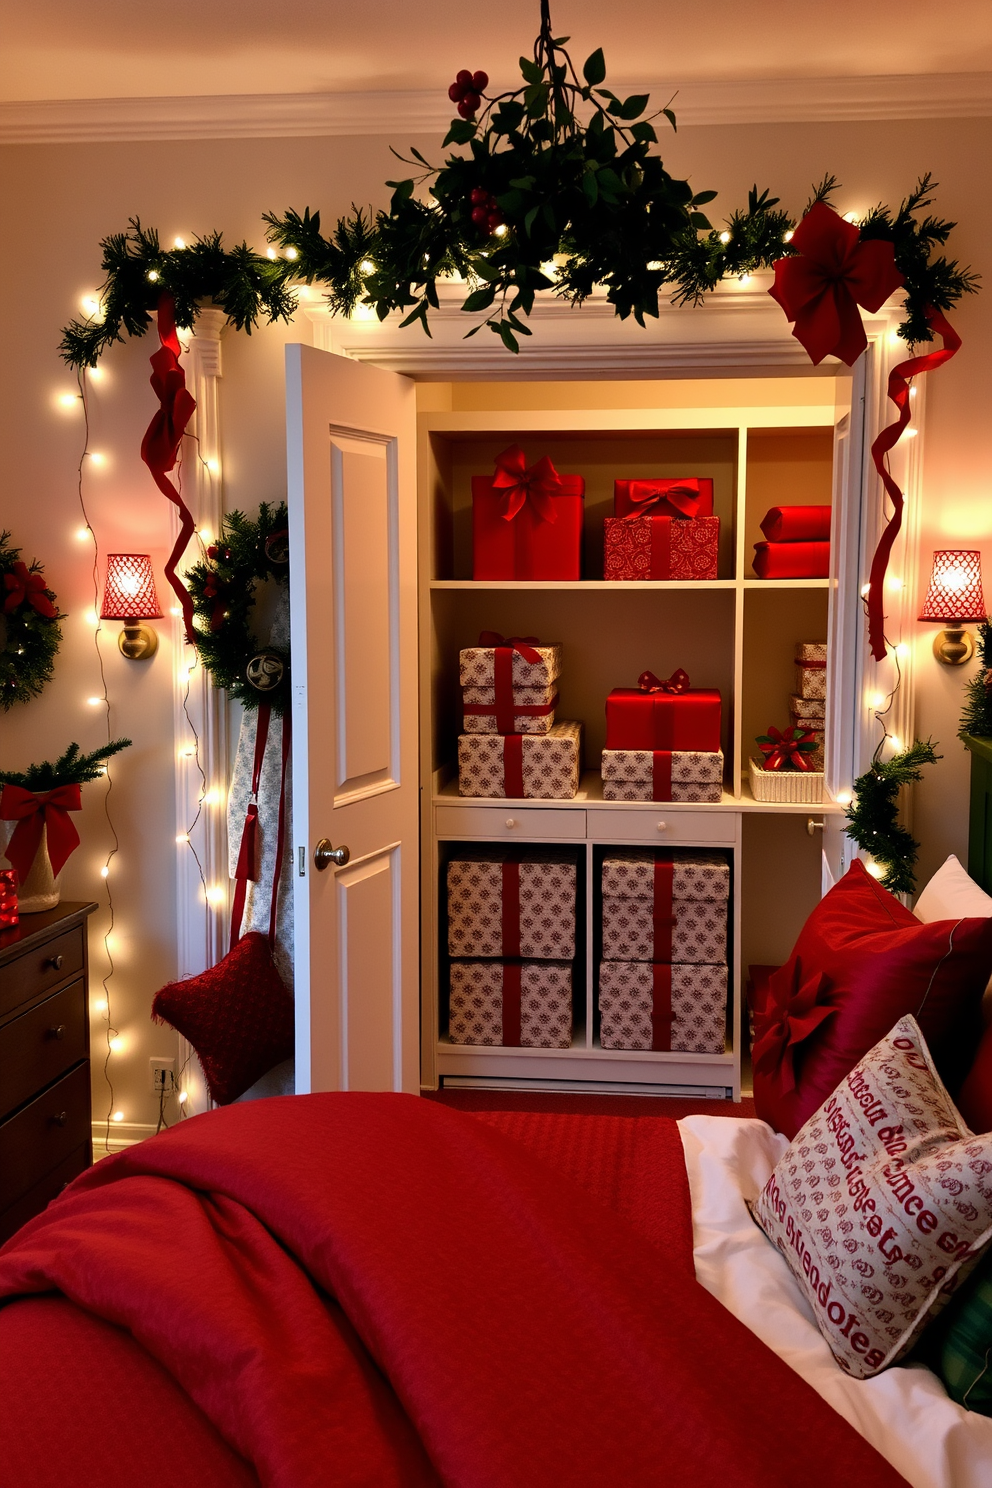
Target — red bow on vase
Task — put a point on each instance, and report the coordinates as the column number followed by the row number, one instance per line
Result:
column 797, row 1011
column 33, row 810
column 677, row 682
column 520, row 485
column 786, row 750
column 22, row 587
column 833, row 272
column 685, row 498
column 524, row 644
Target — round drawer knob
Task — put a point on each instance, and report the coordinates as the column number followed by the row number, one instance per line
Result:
column 662, row 826
column 60, row 1119
column 58, row 1032
column 55, row 962
column 511, row 821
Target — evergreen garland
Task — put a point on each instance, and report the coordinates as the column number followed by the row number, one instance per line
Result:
column 71, row 768
column 223, row 588
column 873, row 816
column 29, row 640
column 976, row 720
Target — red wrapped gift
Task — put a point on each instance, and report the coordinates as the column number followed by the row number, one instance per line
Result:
column 667, row 715
column 680, row 496
column 526, row 522
column 660, row 547
column 792, row 560
column 797, row 524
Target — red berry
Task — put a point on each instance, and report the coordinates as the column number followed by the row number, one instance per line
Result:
column 494, row 221
column 464, row 77
column 473, row 100
column 480, row 82
column 465, row 109
column 212, row 551
column 455, row 92
column 479, row 216
column 479, row 197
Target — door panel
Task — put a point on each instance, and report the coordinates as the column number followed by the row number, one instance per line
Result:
column 351, row 433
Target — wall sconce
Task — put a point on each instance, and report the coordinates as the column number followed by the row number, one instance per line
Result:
column 130, row 596
column 954, row 597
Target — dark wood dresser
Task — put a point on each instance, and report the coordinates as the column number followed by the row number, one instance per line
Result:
column 45, row 1131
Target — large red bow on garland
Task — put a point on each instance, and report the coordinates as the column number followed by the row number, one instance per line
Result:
column 520, row 485
column 797, row 1011
column 833, row 272
column 33, row 810
column 524, row 644
column 685, row 497
column 160, row 446
column 786, row 749
column 677, row 682
column 23, row 585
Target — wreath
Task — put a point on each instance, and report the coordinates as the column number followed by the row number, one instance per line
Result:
column 223, row 588
column 30, row 633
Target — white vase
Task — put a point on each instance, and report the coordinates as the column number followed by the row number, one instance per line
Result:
column 40, row 890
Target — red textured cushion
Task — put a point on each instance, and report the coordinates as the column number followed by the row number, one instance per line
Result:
column 975, row 1099
column 862, row 961
column 238, row 1016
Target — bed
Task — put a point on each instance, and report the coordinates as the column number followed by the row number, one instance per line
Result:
column 376, row 1290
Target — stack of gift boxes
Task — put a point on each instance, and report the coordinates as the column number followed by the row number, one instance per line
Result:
column 511, row 939
column 661, row 529
column 663, row 742
column 808, row 704
column 511, row 744
column 798, row 543
column 663, row 974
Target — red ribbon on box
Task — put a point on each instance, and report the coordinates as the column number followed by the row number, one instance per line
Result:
column 33, row 810
column 677, row 682
column 521, row 485
column 510, row 1015
column 661, row 775
column 664, row 918
column 661, row 1006
column 794, row 1011
column 685, row 497
column 516, row 710
column 503, row 649
column 813, row 665
column 510, row 901
column 783, row 748
column 513, row 765
column 23, row 585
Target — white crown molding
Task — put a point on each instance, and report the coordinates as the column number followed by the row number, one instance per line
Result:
column 278, row 115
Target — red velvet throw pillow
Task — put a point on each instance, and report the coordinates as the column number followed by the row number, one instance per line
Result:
column 975, row 1099
column 237, row 1015
column 862, row 962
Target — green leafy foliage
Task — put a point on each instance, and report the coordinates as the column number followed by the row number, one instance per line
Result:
column 29, row 642
column 71, row 768
column 976, row 719
column 873, row 816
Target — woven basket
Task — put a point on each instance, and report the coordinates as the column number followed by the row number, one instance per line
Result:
column 804, row 786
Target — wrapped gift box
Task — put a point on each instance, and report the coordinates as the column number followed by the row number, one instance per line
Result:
column 539, row 767
column 526, row 523
column 529, row 710
column 797, row 524
column 690, row 930
column 792, row 560
column 647, row 1005
column 808, row 710
column 811, row 669
column 680, row 721
column 660, row 547
column 522, row 1004
column 643, row 872
column 477, row 664
column 662, row 775
column 809, row 726
column 507, row 903
column 666, row 496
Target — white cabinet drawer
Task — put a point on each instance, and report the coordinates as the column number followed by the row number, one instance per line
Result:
column 661, row 826
column 510, row 821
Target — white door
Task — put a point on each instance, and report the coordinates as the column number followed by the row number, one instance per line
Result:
column 351, row 432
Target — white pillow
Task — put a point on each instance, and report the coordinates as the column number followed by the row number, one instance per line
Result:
column 952, row 894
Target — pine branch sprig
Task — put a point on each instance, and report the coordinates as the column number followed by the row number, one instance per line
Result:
column 873, row 816
column 976, row 716
column 71, row 768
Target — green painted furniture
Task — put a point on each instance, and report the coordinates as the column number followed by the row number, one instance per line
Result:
column 980, row 817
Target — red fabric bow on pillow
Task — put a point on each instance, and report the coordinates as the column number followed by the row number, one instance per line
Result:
column 677, row 682
column 520, row 485
column 795, row 1009
column 22, row 587
column 786, row 750
column 834, row 271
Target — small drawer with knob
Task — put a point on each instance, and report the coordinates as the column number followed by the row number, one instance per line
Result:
column 509, row 822
column 43, row 1133
column 660, row 826
column 45, row 967
column 42, row 1044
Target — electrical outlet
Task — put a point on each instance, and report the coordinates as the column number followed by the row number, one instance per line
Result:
column 163, row 1076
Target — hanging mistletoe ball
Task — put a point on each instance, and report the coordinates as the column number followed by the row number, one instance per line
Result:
column 224, row 589
column 30, row 633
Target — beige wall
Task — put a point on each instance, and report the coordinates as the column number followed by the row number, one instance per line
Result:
column 59, row 201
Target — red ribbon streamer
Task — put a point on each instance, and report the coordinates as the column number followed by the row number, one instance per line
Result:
column 33, row 810
column 661, row 1006
column 23, row 585
column 248, row 866
column 795, row 1011
column 511, row 907
column 160, row 446
column 677, row 682
column 685, row 497
column 661, row 775
column 520, row 485
column 510, row 1015
column 513, row 765
column 898, row 391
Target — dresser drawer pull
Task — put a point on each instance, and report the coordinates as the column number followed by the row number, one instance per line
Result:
column 662, row 825
column 60, row 1119
column 55, row 962
column 511, row 821
column 57, row 1032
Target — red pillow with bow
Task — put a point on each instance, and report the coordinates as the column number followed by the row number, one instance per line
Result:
column 237, row 1015
column 862, row 962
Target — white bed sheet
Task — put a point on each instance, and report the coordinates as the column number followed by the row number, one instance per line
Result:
column 904, row 1411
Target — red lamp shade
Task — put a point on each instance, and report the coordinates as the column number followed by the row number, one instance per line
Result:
column 955, row 592
column 130, row 589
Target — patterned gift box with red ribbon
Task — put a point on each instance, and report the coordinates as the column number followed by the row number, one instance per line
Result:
column 808, row 710
column 652, row 1005
column 676, row 930
column 495, row 701
column 526, row 520
column 632, row 873
column 665, row 714
column 808, row 726
column 811, row 669
column 664, row 496
column 531, row 710
column 653, row 547
column 530, row 663
column 662, row 775
column 538, row 767
column 520, row 1004
column 510, row 903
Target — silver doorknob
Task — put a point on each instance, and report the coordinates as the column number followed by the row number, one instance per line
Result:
column 324, row 855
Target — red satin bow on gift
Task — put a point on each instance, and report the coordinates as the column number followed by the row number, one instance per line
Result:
column 685, row 498
column 798, row 1012
column 520, row 485
column 677, row 682
column 833, row 273
column 23, row 585
column 33, row 810
column 782, row 749
column 524, row 644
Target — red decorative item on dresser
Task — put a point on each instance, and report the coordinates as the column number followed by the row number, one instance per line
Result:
column 526, row 520
column 663, row 715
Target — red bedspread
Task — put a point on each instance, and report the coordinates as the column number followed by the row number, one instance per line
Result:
column 373, row 1290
